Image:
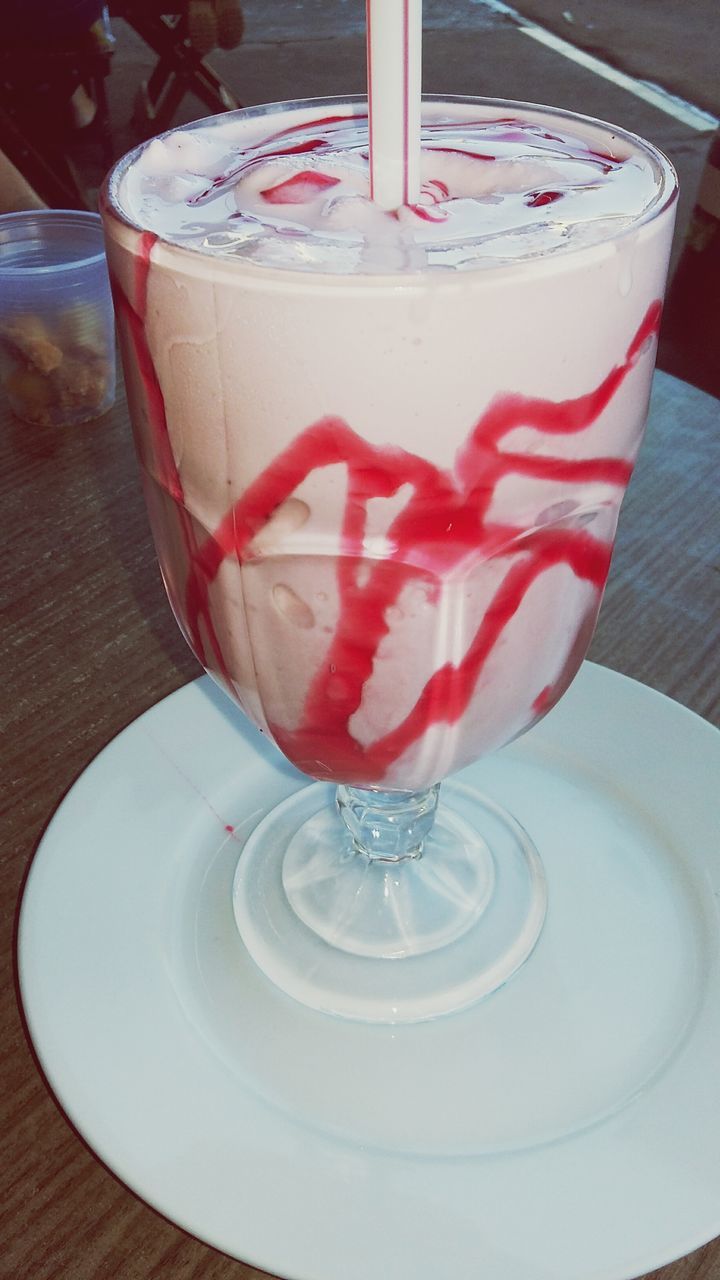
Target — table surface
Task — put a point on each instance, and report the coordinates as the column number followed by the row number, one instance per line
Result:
column 88, row 643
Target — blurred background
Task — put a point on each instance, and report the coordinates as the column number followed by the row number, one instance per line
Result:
column 81, row 83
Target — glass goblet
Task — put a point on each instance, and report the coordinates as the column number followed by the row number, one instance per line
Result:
column 384, row 506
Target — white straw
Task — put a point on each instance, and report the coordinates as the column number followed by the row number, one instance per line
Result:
column 394, row 42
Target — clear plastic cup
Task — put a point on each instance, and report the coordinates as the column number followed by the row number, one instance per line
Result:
column 57, row 337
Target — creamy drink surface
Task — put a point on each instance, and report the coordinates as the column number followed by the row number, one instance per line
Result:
column 494, row 187
column 384, row 452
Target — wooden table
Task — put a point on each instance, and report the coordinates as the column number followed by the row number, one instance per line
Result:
column 88, row 643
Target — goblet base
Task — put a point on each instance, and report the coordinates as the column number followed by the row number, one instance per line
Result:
column 389, row 941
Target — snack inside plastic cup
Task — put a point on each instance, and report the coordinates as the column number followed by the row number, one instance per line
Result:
column 57, row 338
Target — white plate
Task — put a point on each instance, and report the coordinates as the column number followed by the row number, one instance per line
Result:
column 568, row 1126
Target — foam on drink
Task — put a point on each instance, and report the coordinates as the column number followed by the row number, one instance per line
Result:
column 495, row 186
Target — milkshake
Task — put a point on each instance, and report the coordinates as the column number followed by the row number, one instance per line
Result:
column 384, row 451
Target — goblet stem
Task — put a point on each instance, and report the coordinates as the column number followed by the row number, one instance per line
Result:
column 385, row 905
column 388, row 826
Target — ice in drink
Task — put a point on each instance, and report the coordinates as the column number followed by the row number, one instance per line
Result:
column 384, row 452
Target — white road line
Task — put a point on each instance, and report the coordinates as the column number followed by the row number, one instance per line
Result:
column 654, row 94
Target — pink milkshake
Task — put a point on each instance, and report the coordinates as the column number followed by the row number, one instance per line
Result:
column 384, row 451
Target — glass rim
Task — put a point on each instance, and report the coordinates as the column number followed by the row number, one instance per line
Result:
column 665, row 197
column 61, row 217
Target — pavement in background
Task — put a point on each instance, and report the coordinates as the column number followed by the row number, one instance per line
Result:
column 674, row 44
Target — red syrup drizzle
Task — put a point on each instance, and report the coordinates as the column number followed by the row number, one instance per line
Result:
column 133, row 316
column 442, row 524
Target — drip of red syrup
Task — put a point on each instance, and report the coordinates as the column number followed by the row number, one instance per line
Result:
column 300, row 188
column 535, row 199
column 442, row 524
